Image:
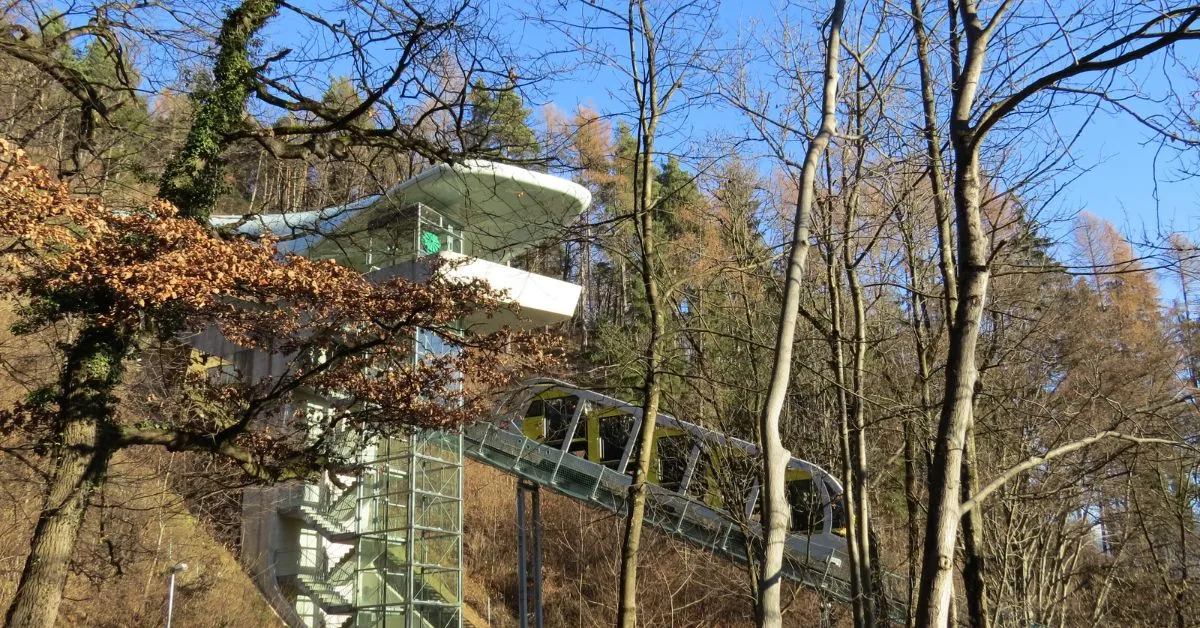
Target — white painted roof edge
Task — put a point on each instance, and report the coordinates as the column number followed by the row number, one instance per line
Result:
column 500, row 170
column 309, row 221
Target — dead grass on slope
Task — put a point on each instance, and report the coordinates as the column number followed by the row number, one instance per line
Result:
column 680, row 585
column 136, row 527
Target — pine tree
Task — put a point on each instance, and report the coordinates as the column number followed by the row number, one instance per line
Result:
column 676, row 191
column 499, row 124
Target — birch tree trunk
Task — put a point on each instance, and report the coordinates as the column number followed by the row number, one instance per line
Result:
column 776, row 509
column 646, row 93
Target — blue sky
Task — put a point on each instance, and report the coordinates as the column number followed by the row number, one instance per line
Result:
column 1144, row 195
column 1123, row 174
column 1121, row 185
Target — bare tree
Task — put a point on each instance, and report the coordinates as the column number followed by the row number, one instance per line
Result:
column 978, row 106
column 656, row 56
column 775, row 457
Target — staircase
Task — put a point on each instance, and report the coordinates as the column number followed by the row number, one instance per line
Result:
column 328, row 519
column 324, row 594
column 327, row 526
column 324, row 590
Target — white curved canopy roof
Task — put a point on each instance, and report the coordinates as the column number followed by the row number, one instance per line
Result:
column 502, row 209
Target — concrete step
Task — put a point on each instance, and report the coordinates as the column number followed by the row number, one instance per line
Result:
column 330, row 529
column 324, row 595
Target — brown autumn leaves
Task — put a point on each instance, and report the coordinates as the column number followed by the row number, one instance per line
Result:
column 159, row 276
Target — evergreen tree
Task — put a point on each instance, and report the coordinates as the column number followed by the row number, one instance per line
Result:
column 676, row 191
column 118, row 148
column 499, row 124
column 343, row 97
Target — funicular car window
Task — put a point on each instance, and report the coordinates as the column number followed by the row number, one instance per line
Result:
column 808, row 513
column 673, row 453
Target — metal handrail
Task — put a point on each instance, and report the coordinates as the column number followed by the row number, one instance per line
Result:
column 526, row 457
column 688, row 518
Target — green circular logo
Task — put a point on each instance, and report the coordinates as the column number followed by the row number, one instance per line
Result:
column 430, row 242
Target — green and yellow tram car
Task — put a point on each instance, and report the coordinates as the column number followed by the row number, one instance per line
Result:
column 689, row 460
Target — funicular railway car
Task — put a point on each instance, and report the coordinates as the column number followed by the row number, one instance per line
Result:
column 689, row 461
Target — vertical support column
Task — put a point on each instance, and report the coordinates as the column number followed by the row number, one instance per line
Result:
column 525, row 571
column 410, row 481
column 522, row 579
column 537, row 555
column 459, row 529
column 410, row 532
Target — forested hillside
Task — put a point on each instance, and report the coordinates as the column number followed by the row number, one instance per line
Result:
column 845, row 233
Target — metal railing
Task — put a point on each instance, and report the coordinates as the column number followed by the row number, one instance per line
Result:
column 808, row 560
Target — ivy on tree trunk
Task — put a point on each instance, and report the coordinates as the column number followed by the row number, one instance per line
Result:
column 92, row 371
column 192, row 182
column 192, row 178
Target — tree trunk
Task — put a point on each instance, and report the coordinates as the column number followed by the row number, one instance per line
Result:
column 872, row 595
column 941, row 531
column 78, row 471
column 93, row 368
column 858, row 432
column 627, row 612
column 776, row 509
column 975, row 563
column 915, row 426
column 651, row 397
column 933, row 147
column 858, row 585
column 192, row 179
column 973, row 273
column 912, row 504
column 974, row 584
column 647, row 95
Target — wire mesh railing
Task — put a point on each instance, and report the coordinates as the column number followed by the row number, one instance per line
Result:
column 818, row 567
column 807, row 560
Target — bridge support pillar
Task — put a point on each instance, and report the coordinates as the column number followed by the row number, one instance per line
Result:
column 529, row 554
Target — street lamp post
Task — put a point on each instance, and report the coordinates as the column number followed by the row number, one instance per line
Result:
column 176, row 568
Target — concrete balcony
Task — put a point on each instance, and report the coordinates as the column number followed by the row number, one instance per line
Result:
column 538, row 300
